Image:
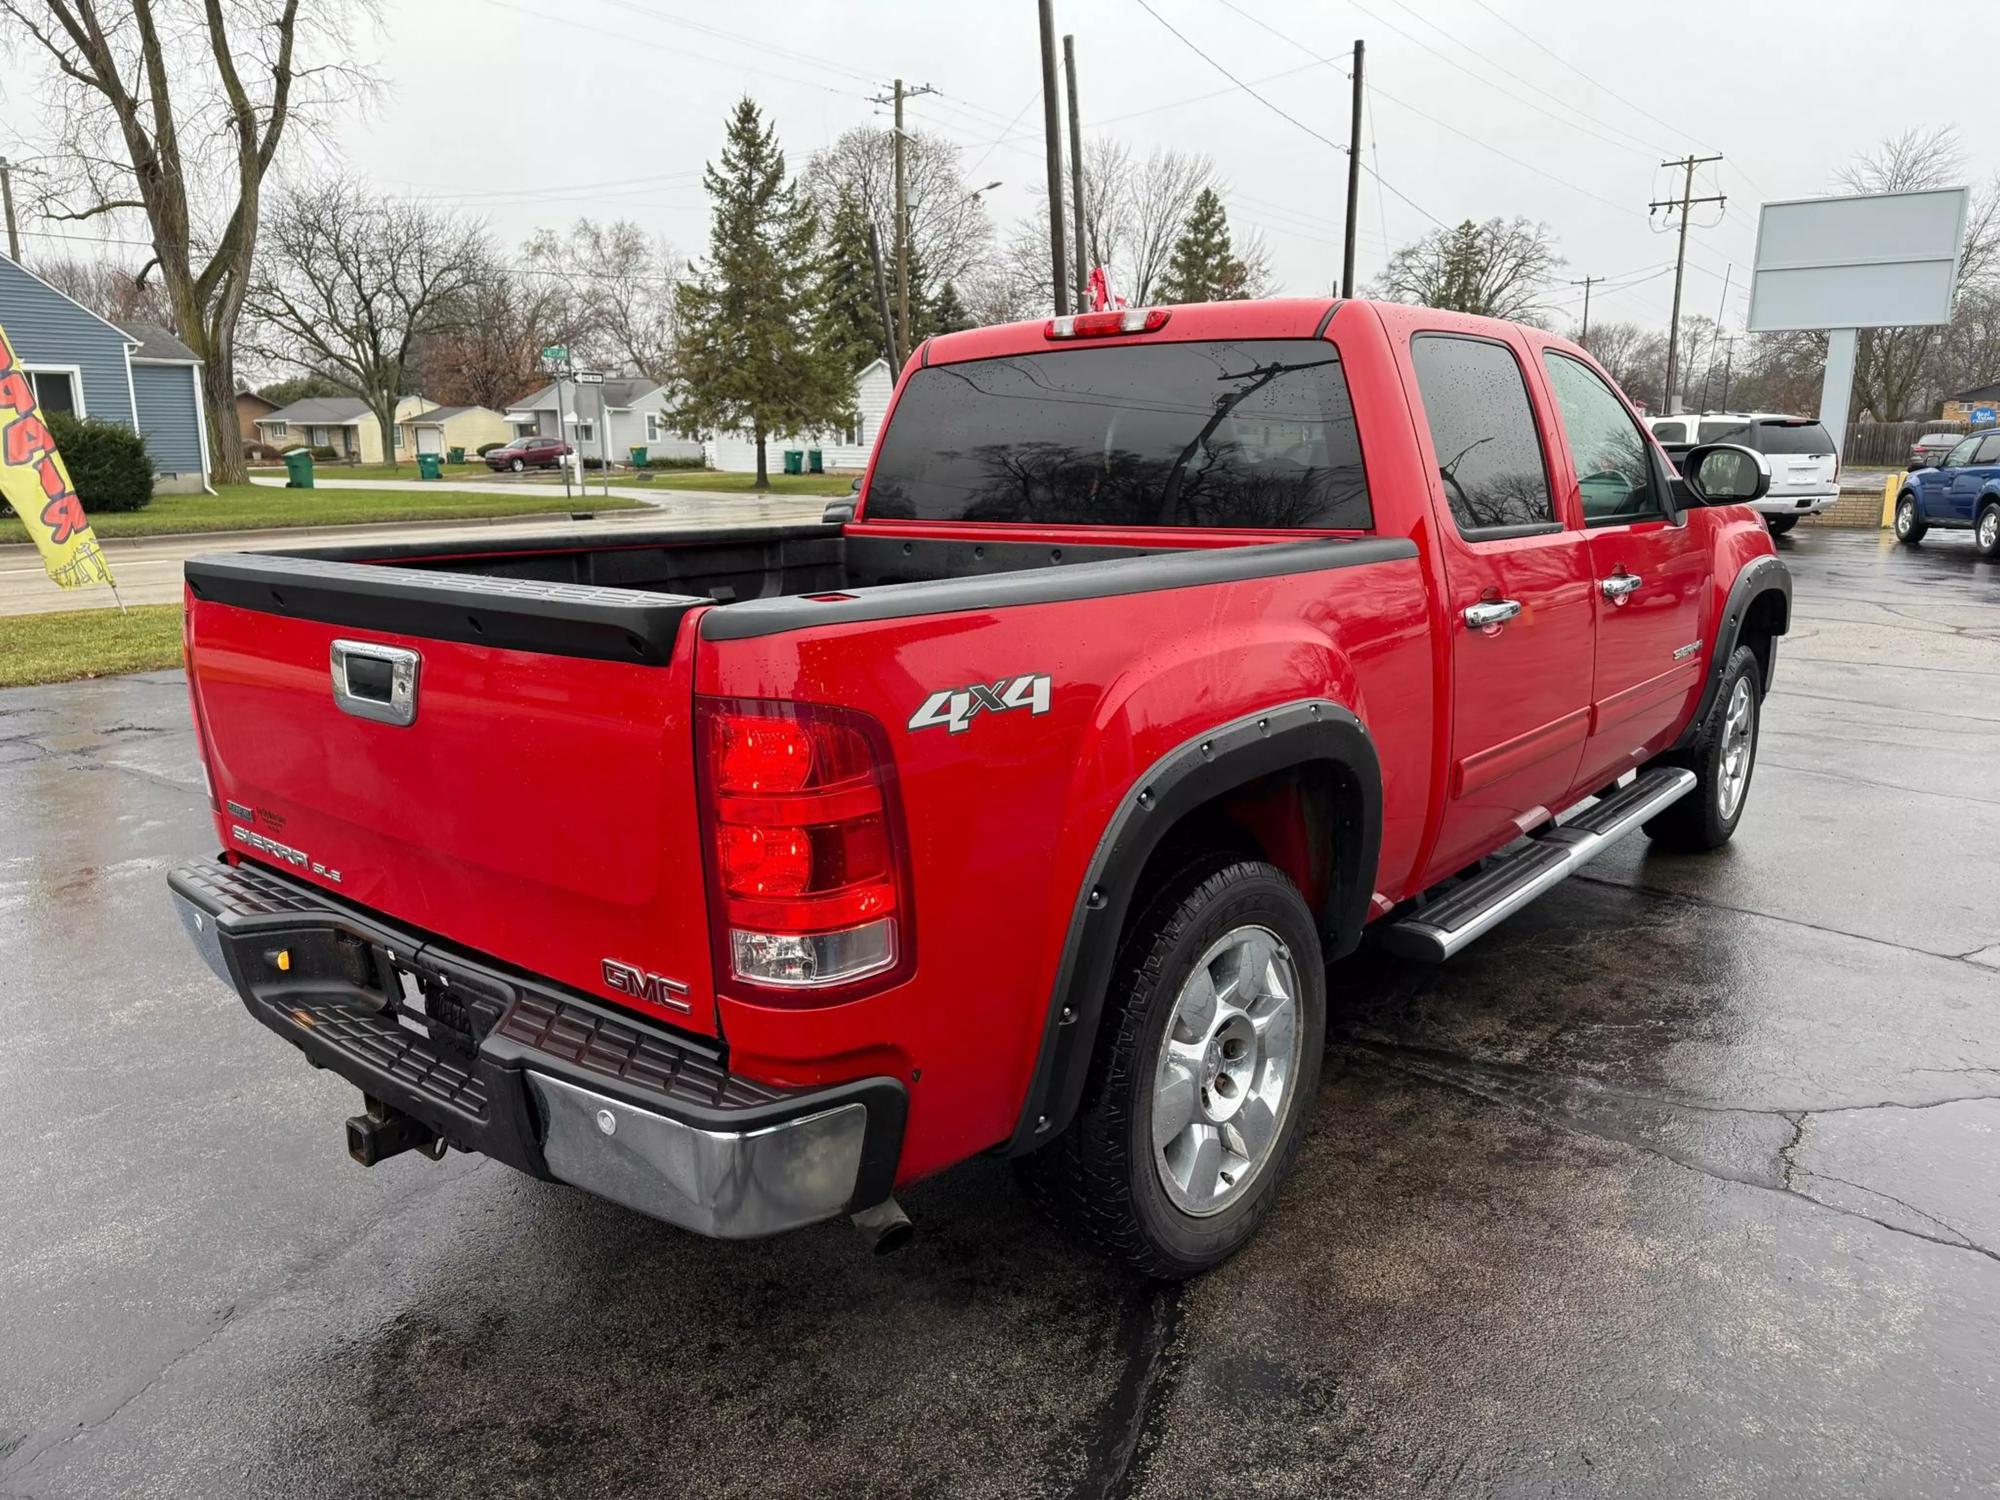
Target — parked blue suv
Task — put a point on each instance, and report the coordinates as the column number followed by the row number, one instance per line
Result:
column 1962, row 493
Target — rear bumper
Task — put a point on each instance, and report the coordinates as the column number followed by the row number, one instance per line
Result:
column 535, row 1076
column 1795, row 505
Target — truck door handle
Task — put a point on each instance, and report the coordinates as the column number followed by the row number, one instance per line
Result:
column 1618, row 585
column 1491, row 612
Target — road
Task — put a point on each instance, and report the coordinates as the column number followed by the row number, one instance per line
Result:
column 148, row 569
column 1681, row 1182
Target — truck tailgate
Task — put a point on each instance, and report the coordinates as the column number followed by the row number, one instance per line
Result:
column 538, row 808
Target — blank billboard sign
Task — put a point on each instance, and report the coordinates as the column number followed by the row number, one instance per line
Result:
column 1875, row 260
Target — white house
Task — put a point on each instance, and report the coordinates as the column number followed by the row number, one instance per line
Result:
column 736, row 452
column 635, row 412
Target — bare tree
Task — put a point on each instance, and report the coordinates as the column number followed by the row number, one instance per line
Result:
column 1159, row 198
column 1498, row 269
column 175, row 109
column 491, row 352
column 949, row 231
column 617, row 282
column 110, row 290
column 348, row 286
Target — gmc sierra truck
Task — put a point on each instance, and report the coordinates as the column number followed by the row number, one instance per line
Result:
column 1018, row 807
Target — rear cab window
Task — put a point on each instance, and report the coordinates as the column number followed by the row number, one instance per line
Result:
column 1245, row 434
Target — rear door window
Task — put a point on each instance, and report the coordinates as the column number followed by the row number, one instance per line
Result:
column 1989, row 451
column 1728, row 430
column 1671, row 432
column 1256, row 434
column 1489, row 455
column 1798, row 438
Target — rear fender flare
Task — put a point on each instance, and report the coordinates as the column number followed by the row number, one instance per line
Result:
column 1760, row 577
column 1305, row 732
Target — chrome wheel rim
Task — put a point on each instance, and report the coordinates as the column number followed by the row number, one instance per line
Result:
column 1989, row 530
column 1223, row 1085
column 1739, row 734
column 1905, row 513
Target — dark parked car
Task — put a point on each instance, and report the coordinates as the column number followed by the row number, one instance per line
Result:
column 1928, row 451
column 529, row 453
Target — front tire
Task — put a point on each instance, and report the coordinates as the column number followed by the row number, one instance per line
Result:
column 1204, row 1074
column 518, row 466
column 1986, row 534
column 1779, row 525
column 1722, row 758
column 1910, row 527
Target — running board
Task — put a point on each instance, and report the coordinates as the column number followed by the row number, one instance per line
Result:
column 1435, row 932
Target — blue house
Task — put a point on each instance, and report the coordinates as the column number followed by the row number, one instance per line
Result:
column 138, row 374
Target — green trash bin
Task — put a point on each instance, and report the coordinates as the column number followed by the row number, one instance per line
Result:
column 638, row 456
column 456, row 455
column 429, row 466
column 815, row 461
column 795, row 461
column 298, row 469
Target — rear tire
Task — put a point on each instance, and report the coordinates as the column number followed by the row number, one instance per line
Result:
column 1986, row 533
column 1195, row 1104
column 1722, row 758
column 1910, row 527
column 1779, row 525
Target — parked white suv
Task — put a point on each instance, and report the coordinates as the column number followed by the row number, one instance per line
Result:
column 1805, row 472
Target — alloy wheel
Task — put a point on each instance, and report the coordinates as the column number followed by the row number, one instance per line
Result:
column 1739, row 736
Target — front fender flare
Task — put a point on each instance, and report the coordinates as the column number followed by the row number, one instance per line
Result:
column 1308, row 731
column 1763, row 575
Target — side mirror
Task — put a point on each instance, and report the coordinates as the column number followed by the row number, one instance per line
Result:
column 1725, row 473
column 854, row 488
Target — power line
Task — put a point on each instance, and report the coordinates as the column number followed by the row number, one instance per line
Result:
column 1148, row 9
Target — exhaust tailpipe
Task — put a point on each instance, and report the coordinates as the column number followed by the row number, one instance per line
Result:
column 885, row 1226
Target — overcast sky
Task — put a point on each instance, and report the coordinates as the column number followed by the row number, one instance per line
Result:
column 532, row 112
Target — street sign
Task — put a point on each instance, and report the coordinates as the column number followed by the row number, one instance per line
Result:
column 555, row 354
column 588, row 377
column 1983, row 416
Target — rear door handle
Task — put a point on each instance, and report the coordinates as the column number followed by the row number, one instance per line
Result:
column 1491, row 612
column 1618, row 585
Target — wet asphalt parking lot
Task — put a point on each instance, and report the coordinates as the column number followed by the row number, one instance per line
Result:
column 1684, row 1181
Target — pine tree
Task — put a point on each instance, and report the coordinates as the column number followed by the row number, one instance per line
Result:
column 1203, row 268
column 747, row 354
column 850, row 320
column 947, row 312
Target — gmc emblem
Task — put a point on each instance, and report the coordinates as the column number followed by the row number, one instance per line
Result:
column 654, row 989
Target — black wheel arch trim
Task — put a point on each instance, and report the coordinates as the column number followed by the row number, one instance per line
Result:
column 1762, row 576
column 1304, row 732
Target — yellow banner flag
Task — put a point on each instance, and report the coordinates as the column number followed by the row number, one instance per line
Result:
column 35, row 481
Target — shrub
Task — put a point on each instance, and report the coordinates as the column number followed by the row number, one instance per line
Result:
column 486, row 448
column 107, row 462
column 325, row 454
column 260, row 453
column 694, row 462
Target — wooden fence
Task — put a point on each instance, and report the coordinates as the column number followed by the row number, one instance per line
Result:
column 1889, row 442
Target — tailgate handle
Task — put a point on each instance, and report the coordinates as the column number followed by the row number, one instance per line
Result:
column 375, row 682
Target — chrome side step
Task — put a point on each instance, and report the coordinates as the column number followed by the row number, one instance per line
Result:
column 1438, row 930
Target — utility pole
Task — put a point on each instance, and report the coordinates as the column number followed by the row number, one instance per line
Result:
column 1728, row 354
column 1052, row 146
column 1721, row 310
column 1353, row 180
column 1668, row 400
column 7, row 194
column 1586, row 282
column 895, row 350
column 1076, row 176
column 896, row 96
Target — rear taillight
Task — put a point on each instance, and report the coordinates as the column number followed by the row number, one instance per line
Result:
column 1102, row 325
column 806, row 857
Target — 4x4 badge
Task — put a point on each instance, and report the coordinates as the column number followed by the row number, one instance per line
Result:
column 954, row 707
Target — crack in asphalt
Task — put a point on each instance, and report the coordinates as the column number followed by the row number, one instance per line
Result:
column 1422, row 1064
column 1152, row 1324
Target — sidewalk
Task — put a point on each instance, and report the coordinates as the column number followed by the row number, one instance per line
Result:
column 148, row 569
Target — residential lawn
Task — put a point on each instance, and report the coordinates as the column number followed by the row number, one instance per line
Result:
column 781, row 484
column 246, row 506
column 88, row 643
column 380, row 471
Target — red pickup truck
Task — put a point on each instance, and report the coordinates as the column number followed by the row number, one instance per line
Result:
column 746, row 876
